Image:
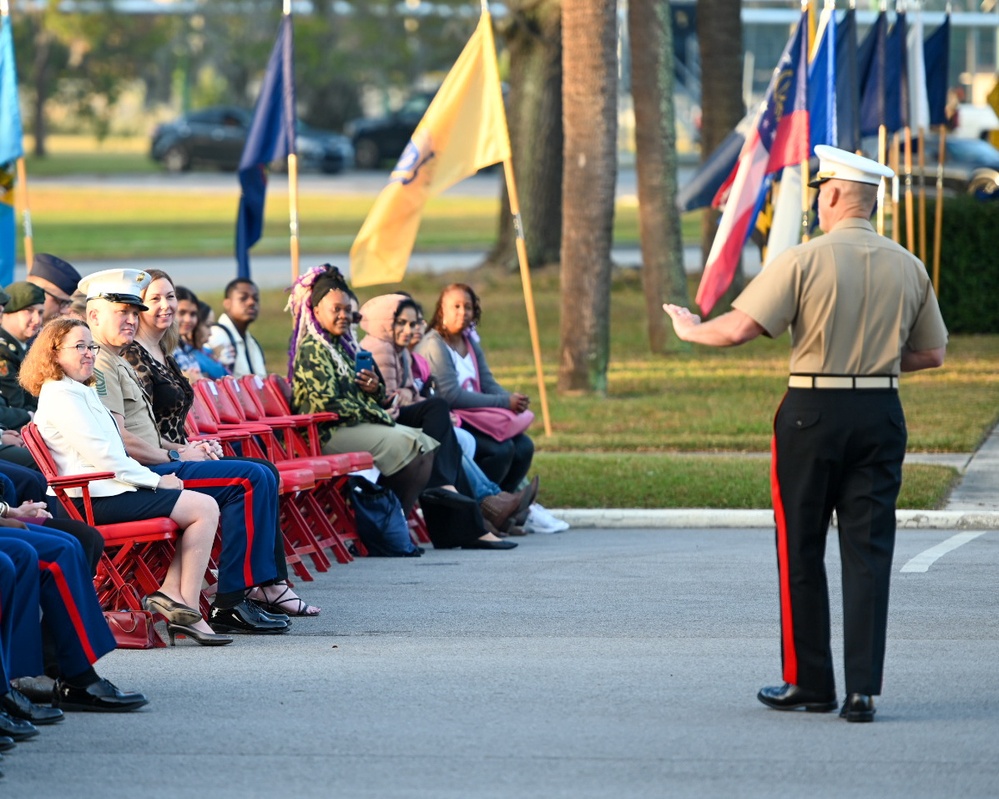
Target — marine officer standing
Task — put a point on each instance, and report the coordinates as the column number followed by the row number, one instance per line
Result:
column 861, row 309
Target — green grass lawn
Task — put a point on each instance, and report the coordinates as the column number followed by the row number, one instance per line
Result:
column 633, row 448
column 117, row 223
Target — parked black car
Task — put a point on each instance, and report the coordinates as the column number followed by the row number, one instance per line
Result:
column 378, row 139
column 214, row 137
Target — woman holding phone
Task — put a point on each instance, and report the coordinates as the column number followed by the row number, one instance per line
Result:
column 326, row 377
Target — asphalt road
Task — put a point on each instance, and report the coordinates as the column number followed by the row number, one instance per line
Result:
column 588, row 664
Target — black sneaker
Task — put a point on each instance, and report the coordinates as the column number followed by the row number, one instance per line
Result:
column 245, row 617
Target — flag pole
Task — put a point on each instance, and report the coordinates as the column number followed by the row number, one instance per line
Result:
column 292, row 194
column 896, row 228
column 22, row 184
column 882, row 158
column 805, row 189
column 938, row 221
column 910, row 222
column 525, row 279
column 22, row 193
column 921, row 138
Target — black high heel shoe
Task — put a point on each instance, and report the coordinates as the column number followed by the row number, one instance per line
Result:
column 205, row 639
column 173, row 612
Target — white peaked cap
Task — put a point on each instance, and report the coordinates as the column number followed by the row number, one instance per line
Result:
column 836, row 164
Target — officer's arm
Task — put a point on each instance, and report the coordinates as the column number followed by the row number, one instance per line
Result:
column 727, row 330
column 913, row 361
column 141, row 450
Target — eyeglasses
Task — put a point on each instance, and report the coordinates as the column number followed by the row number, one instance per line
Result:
column 63, row 303
column 80, row 347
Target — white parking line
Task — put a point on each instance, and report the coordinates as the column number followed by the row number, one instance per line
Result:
column 927, row 558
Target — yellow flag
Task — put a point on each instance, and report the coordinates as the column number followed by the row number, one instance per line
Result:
column 463, row 131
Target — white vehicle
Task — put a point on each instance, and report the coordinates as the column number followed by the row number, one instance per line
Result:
column 974, row 121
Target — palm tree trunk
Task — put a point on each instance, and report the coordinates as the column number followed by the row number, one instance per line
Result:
column 652, row 81
column 719, row 36
column 533, row 35
column 589, row 96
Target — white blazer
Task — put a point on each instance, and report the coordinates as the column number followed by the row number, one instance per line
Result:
column 83, row 437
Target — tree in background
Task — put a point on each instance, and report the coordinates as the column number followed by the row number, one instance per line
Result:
column 719, row 37
column 589, row 95
column 532, row 32
column 83, row 61
column 216, row 52
column 652, row 84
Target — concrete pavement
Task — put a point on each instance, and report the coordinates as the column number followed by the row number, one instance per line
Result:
column 587, row 664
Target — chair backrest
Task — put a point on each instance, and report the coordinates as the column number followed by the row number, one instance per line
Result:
column 202, row 417
column 278, row 394
column 224, row 408
column 253, row 385
column 244, row 399
column 39, row 450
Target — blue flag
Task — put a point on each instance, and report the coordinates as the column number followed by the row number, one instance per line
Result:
column 896, row 76
column 847, row 84
column 271, row 136
column 822, row 100
column 873, row 62
column 936, row 55
column 11, row 148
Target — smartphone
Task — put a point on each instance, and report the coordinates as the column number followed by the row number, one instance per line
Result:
column 363, row 360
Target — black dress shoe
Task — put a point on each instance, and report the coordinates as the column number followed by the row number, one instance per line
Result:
column 858, row 707
column 478, row 543
column 38, row 689
column 19, row 706
column 18, row 729
column 6, row 743
column 100, row 697
column 791, row 697
column 245, row 617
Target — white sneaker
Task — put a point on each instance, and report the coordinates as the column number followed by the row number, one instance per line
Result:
column 540, row 520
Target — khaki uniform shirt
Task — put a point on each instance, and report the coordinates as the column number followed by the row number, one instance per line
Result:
column 118, row 388
column 852, row 299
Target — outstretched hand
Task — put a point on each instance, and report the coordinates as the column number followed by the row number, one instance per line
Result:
column 683, row 320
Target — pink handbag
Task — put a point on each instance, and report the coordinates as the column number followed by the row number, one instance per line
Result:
column 501, row 424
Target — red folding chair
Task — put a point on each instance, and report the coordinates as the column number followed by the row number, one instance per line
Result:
column 303, row 522
column 136, row 554
column 301, row 436
column 274, row 397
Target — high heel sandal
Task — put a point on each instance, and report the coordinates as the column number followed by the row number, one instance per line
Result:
column 173, row 612
column 205, row 639
column 292, row 606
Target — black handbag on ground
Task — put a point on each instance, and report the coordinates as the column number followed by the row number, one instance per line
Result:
column 379, row 519
column 453, row 520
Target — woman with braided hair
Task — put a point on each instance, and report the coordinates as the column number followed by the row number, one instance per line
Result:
column 325, row 377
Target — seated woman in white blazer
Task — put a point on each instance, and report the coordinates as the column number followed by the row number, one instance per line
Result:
column 83, row 437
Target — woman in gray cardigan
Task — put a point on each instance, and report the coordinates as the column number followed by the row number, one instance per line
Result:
column 462, row 378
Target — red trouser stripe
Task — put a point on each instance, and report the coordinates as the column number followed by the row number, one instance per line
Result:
column 70, row 604
column 248, row 577
column 787, row 622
